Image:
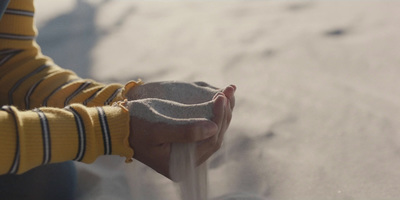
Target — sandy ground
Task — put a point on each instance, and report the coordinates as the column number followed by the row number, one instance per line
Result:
column 318, row 100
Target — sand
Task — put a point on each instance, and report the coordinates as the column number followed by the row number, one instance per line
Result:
column 170, row 112
column 192, row 179
column 176, row 91
column 317, row 111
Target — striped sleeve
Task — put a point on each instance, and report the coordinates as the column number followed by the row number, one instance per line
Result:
column 29, row 79
column 49, row 135
column 72, row 119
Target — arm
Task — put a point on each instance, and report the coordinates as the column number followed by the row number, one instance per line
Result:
column 50, row 134
column 29, row 79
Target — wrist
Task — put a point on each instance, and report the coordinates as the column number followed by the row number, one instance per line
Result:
column 126, row 147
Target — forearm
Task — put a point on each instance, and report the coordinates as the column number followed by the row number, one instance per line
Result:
column 49, row 135
column 29, row 79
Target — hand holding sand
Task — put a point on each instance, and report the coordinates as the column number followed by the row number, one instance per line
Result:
column 157, row 123
column 182, row 92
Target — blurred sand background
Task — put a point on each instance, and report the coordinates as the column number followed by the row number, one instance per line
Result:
column 318, row 99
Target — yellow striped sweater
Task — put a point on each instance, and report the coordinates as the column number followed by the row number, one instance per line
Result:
column 49, row 114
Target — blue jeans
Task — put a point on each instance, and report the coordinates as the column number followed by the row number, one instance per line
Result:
column 54, row 181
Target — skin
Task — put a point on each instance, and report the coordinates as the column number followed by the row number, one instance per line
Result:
column 152, row 140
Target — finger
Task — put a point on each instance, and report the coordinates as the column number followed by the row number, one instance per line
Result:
column 232, row 102
column 208, row 147
column 229, row 92
column 218, row 94
column 225, row 124
column 205, row 149
column 185, row 133
column 234, row 87
column 219, row 110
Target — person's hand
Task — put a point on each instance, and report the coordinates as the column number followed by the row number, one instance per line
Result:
column 182, row 92
column 156, row 124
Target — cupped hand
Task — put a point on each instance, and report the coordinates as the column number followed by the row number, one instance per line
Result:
column 182, row 92
column 157, row 123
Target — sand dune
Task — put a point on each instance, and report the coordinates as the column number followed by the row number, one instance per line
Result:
column 318, row 101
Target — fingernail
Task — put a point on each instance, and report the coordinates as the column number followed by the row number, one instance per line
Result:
column 234, row 87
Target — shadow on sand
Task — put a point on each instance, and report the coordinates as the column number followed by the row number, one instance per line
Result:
column 70, row 37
